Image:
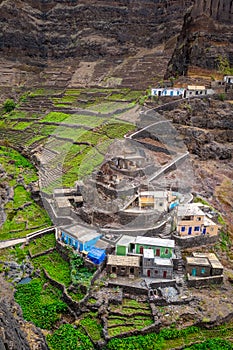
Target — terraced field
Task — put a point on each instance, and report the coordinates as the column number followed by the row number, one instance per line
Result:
column 65, row 130
column 131, row 315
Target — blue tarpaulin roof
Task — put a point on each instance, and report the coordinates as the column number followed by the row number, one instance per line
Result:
column 96, row 255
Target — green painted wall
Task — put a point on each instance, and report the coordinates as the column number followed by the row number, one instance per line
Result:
column 162, row 250
column 121, row 250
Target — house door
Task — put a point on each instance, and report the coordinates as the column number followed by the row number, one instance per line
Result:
column 204, row 231
column 190, row 231
column 194, row 272
column 164, row 274
column 157, row 252
column 148, row 273
column 141, row 250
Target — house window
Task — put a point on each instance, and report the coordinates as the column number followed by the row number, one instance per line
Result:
column 157, row 252
column 196, row 229
column 203, row 271
column 198, row 218
column 131, row 270
column 122, row 269
column 183, row 229
column 141, row 249
column 156, row 272
column 113, row 269
column 166, row 251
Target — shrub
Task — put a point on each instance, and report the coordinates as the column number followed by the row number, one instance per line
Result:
column 9, row 105
column 68, row 338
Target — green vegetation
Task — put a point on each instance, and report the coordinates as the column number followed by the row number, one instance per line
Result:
column 9, row 105
column 42, row 244
column 69, row 338
column 224, row 65
column 40, row 303
column 57, row 268
column 212, row 344
column 55, row 117
column 23, row 215
column 79, row 273
column 21, row 125
column 92, row 326
column 130, row 319
column 170, row 338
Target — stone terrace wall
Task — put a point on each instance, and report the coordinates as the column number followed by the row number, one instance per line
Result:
column 190, row 242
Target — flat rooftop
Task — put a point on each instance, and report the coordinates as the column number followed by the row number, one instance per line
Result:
column 156, row 194
column 189, row 209
column 163, row 262
column 82, row 233
column 215, row 263
column 126, row 240
column 154, row 241
column 148, row 253
column 63, row 202
column 197, row 261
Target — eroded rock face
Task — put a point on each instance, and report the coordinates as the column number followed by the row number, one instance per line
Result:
column 15, row 333
column 91, row 29
column 207, row 34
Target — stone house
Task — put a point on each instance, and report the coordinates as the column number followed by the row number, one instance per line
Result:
column 203, row 268
column 152, row 266
column 192, row 221
column 127, row 266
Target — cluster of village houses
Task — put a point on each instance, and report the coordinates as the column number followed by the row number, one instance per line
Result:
column 134, row 256
column 150, row 257
column 192, row 90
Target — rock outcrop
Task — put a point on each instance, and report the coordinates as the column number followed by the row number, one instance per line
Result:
column 205, row 39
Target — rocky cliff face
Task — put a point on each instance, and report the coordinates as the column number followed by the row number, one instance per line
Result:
column 15, row 333
column 207, row 34
column 58, row 29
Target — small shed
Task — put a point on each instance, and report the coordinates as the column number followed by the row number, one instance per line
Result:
column 123, row 265
column 96, row 255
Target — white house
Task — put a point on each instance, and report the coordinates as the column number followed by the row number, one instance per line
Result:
column 167, row 92
column 196, row 90
column 228, row 79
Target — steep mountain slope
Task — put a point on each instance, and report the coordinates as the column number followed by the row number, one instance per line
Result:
column 205, row 39
column 92, row 29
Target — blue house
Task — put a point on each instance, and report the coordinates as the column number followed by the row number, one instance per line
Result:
column 79, row 237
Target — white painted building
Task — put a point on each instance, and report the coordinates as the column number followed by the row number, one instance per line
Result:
column 228, row 79
column 172, row 92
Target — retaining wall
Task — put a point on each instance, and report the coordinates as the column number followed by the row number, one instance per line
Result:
column 190, row 242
